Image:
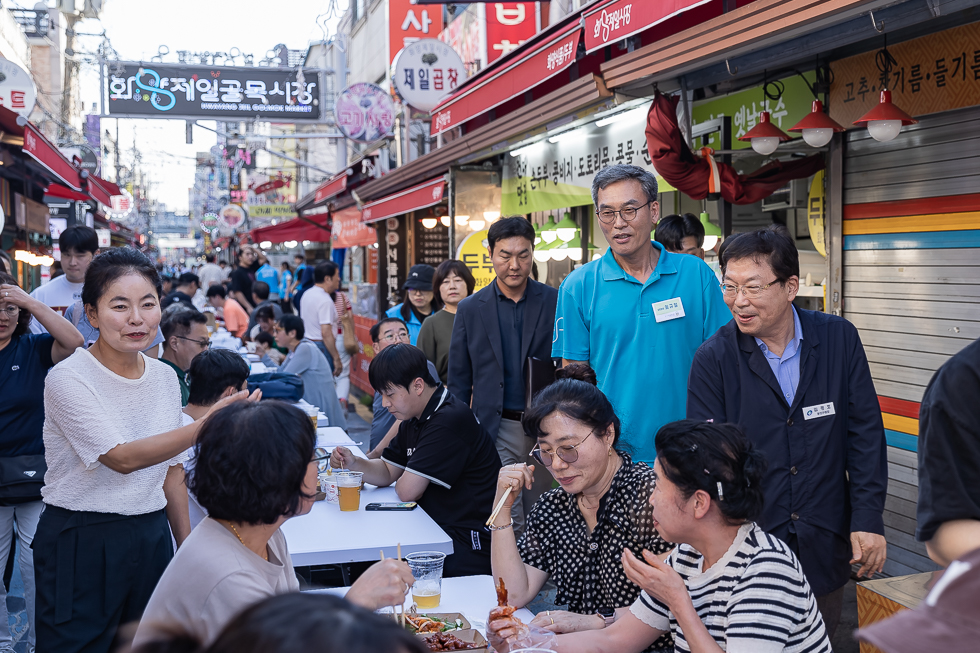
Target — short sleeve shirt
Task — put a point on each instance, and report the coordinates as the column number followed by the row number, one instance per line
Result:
column 317, row 309
column 640, row 336
column 447, row 446
column 24, row 363
column 236, row 319
column 241, row 280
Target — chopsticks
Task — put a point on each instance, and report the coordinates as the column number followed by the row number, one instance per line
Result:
column 399, row 616
column 500, row 505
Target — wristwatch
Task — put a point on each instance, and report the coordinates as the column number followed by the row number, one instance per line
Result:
column 608, row 616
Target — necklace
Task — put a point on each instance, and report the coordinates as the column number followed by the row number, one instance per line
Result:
column 235, row 531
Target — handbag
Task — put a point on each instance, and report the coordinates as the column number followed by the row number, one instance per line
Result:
column 277, row 385
column 347, row 322
column 21, row 479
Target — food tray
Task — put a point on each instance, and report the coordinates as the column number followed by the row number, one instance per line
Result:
column 444, row 616
column 470, row 636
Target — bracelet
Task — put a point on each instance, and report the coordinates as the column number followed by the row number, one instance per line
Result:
column 501, row 528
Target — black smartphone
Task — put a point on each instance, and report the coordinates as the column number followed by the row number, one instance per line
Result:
column 408, row 505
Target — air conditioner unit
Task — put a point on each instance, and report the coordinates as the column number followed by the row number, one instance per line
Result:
column 791, row 196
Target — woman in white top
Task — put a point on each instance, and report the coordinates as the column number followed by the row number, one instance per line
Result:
column 254, row 469
column 113, row 446
column 728, row 586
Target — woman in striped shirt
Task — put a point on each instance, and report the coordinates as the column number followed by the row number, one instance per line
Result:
column 728, row 586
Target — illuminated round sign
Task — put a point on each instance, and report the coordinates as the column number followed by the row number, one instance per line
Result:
column 231, row 216
column 209, row 222
column 17, row 91
column 121, row 205
column 426, row 72
column 365, row 112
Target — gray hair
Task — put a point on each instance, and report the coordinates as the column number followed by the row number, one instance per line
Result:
column 622, row 172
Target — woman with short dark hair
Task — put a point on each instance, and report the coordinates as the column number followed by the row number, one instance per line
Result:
column 114, row 445
column 25, row 359
column 307, row 361
column 452, row 283
column 250, row 484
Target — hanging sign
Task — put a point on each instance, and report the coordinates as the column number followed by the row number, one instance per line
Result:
column 348, row 230
column 408, row 23
column 121, row 205
column 271, row 210
column 87, row 157
column 427, row 71
column 474, row 254
column 815, row 212
column 509, row 25
column 209, row 222
column 365, row 112
column 105, row 238
column 619, row 20
column 17, row 91
column 231, row 216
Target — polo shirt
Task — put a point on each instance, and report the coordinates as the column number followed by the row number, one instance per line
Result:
column 24, row 364
column 510, row 320
column 268, row 274
column 608, row 318
column 185, row 391
column 786, row 367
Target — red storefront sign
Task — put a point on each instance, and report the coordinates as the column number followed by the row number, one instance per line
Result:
column 50, row 157
column 348, row 230
column 413, row 199
column 526, row 72
column 509, row 24
column 365, row 352
column 617, row 20
column 409, row 22
column 333, row 186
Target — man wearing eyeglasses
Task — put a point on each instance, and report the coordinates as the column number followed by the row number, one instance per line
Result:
column 638, row 314
column 185, row 335
column 799, row 385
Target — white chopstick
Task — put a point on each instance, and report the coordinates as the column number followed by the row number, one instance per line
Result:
column 500, row 505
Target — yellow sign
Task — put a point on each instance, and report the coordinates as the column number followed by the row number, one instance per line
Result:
column 474, row 254
column 815, row 213
column 271, row 210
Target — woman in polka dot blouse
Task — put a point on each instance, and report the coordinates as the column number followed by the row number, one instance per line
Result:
column 575, row 534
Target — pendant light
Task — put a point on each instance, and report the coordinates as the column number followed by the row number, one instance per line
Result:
column 765, row 136
column 462, row 219
column 548, row 233
column 445, row 220
column 574, row 248
column 476, row 224
column 711, row 231
column 885, row 120
column 817, row 127
column 566, row 229
column 543, row 253
column 429, row 223
column 490, row 216
column 537, row 235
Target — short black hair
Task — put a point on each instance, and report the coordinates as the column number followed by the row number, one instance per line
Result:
column 188, row 277
column 24, row 317
column 209, row 258
column 217, row 290
column 575, row 395
column 457, row 267
column 772, row 245
column 112, row 264
column 696, row 455
column 264, row 313
column 673, row 229
column 510, row 227
column 177, row 320
column 265, row 337
column 323, row 270
column 79, row 238
column 251, row 459
column 261, row 290
column 376, row 329
column 293, row 323
column 300, row 257
column 212, row 372
column 398, row 366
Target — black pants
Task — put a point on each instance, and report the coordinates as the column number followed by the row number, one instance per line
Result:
column 94, row 572
column 465, row 560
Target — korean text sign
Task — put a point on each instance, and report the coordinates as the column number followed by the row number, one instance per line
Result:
column 214, row 92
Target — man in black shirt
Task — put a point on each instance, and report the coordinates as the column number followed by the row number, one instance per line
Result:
column 451, row 461
column 240, row 282
column 187, row 285
column 948, row 511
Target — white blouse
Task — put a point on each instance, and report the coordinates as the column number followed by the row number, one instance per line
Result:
column 88, row 410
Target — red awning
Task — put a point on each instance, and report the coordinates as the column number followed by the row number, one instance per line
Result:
column 109, row 187
column 333, row 186
column 348, row 230
column 50, row 157
column 509, row 77
column 412, row 199
column 57, row 190
column 619, row 19
column 296, row 229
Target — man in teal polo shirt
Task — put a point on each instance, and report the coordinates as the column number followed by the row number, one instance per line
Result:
column 638, row 314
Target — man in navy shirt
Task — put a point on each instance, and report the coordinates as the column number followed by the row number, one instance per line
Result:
column 799, row 385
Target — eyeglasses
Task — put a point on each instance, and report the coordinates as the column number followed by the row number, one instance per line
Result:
column 731, row 291
column 10, row 311
column 205, row 344
column 629, row 213
column 395, row 337
column 568, row 453
column 320, row 456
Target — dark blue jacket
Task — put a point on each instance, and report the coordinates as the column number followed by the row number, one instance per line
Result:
column 827, row 476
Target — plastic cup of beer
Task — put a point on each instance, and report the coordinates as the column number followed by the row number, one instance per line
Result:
column 349, row 491
column 311, row 412
column 426, row 566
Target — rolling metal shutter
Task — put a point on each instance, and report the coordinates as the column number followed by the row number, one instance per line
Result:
column 912, row 282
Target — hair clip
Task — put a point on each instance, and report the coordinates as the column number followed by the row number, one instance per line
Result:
column 694, row 447
column 721, row 493
column 706, row 471
column 748, row 483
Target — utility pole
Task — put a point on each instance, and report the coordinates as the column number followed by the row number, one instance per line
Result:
column 68, row 92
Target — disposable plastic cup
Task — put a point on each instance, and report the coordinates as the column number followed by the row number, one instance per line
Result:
column 311, row 412
column 328, row 485
column 426, row 566
column 349, row 490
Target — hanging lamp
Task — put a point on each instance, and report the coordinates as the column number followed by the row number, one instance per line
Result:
column 765, row 136
column 817, row 127
column 566, row 229
column 711, row 231
column 548, row 233
column 543, row 252
column 885, row 120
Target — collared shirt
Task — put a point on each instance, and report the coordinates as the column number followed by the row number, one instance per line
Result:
column 786, row 367
column 640, row 338
column 510, row 318
column 587, row 568
column 185, row 391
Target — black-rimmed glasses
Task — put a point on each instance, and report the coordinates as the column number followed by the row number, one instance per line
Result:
column 205, row 344
column 629, row 213
column 568, row 453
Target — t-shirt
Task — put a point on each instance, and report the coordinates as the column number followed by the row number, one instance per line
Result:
column 235, row 317
column 383, row 419
column 59, row 294
column 434, row 337
column 447, row 446
column 177, row 296
column 241, row 280
column 211, row 579
column 210, row 274
column 317, row 308
column 24, row 363
column 285, row 279
column 639, row 336
column 319, row 388
column 268, row 274
column 185, row 391
column 88, row 411
column 755, row 599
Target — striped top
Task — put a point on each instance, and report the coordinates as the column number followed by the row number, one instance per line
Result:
column 755, row 599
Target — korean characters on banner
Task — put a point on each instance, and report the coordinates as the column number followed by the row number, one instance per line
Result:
column 408, row 23
column 509, row 24
column 431, row 245
column 17, row 91
column 365, row 112
column 396, row 260
column 427, row 71
column 215, row 92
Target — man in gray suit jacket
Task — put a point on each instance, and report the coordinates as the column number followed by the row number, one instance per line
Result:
column 496, row 330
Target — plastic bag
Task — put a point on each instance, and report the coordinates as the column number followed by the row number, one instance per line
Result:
column 528, row 636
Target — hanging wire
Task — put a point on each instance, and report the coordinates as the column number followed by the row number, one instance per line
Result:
column 884, row 59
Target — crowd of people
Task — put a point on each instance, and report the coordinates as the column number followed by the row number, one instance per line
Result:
column 701, row 474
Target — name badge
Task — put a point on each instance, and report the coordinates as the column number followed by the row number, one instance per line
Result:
column 669, row 309
column 820, row 410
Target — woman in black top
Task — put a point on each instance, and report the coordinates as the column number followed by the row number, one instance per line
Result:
column 576, row 534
